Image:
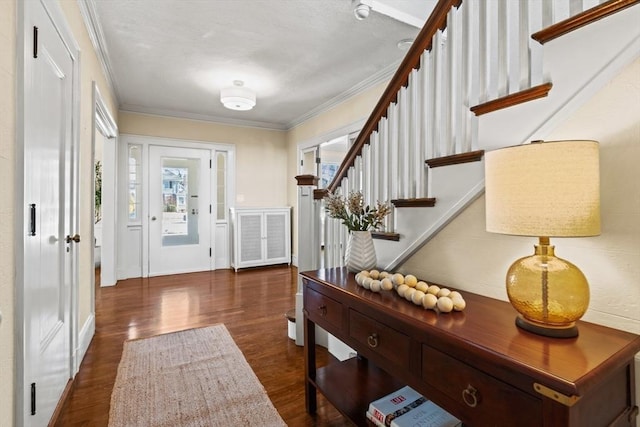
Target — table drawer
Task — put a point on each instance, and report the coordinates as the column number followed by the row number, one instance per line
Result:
column 389, row 343
column 323, row 310
column 481, row 397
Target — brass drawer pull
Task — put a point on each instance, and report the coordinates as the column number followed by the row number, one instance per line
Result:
column 470, row 396
column 323, row 310
column 372, row 340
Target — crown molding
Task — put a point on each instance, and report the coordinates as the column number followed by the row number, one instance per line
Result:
column 173, row 114
column 381, row 76
column 94, row 29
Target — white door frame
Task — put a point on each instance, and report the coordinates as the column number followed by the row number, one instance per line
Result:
column 316, row 141
column 104, row 123
column 25, row 13
column 145, row 142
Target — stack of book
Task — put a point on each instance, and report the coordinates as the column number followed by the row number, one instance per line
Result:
column 408, row 408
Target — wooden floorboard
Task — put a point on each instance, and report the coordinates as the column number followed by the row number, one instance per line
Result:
column 252, row 304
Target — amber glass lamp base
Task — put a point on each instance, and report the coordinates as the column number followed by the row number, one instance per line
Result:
column 549, row 293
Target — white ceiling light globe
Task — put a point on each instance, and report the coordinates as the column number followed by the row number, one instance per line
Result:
column 238, row 97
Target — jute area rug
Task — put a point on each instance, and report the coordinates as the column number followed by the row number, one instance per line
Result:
column 195, row 378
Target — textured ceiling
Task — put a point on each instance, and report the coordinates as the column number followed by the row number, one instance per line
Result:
column 172, row 57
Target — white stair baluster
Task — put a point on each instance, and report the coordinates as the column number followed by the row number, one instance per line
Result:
column 588, row 4
column 536, row 17
column 356, row 177
column 547, row 13
column 437, row 55
column 366, row 173
column 422, row 121
column 328, row 242
column 343, row 234
column 502, row 46
column 455, row 33
column 491, row 50
column 415, row 121
column 472, row 43
column 383, row 159
column 561, row 10
column 374, row 149
column 523, row 44
column 350, row 181
column 427, row 132
column 513, row 48
column 402, row 107
column 393, row 151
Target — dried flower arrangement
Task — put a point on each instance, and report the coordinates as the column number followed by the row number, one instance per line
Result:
column 354, row 214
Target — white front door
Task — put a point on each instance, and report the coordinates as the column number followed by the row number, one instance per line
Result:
column 49, row 266
column 179, row 210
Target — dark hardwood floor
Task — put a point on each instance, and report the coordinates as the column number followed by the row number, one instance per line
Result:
column 251, row 304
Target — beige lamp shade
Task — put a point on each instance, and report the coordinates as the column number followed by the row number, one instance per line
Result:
column 547, row 189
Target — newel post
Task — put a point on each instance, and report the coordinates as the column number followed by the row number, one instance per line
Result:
column 308, row 240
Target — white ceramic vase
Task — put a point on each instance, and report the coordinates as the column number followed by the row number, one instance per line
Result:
column 361, row 253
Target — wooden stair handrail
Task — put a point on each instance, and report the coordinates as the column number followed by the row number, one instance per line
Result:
column 437, row 21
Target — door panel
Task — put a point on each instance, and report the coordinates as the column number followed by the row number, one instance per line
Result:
column 179, row 207
column 48, row 264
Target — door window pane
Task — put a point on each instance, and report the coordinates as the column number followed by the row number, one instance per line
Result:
column 180, row 208
column 135, row 182
column 221, row 186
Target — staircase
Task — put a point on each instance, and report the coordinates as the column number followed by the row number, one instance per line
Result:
column 482, row 74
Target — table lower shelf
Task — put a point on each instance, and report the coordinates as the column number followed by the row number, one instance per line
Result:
column 352, row 384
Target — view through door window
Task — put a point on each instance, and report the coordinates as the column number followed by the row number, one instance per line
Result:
column 179, row 201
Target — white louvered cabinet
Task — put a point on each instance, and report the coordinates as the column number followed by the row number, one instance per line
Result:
column 261, row 236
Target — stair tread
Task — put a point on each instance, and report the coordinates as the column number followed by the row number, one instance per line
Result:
column 414, row 203
column 512, row 99
column 581, row 19
column 455, row 159
column 382, row 235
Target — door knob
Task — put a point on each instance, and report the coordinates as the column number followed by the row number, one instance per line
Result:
column 75, row 238
column 153, row 218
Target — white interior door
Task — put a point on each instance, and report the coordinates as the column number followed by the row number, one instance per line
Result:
column 179, row 210
column 49, row 266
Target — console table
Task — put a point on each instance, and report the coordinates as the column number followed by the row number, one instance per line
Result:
column 475, row 364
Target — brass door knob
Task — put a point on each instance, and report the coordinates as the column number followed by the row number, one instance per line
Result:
column 75, row 238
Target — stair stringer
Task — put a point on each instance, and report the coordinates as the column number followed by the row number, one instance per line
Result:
column 454, row 187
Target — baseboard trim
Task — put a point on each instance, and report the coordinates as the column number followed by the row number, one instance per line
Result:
column 84, row 340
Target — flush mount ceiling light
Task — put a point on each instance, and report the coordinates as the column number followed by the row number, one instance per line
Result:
column 238, row 97
column 361, row 9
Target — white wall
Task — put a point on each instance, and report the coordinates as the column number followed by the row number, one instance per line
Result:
column 261, row 154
